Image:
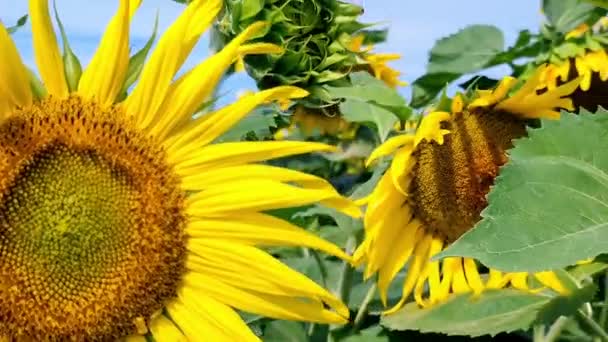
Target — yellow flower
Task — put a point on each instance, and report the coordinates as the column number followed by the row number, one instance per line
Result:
column 377, row 62
column 436, row 187
column 123, row 220
column 591, row 67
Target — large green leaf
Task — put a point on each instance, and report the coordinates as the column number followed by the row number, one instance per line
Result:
column 549, row 207
column 492, row 312
column 467, row 50
column 566, row 15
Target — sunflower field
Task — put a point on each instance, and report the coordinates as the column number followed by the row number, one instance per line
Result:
column 335, row 203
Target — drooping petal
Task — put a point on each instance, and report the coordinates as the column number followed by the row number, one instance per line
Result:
column 217, row 314
column 275, row 306
column 252, row 228
column 235, row 153
column 252, row 269
column 194, row 326
column 262, row 194
column 46, row 50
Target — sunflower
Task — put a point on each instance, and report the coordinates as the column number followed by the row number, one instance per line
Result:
column 436, row 187
column 377, row 62
column 120, row 220
column 592, row 67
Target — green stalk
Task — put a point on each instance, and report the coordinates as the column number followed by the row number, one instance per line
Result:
column 604, row 311
column 593, row 326
column 556, row 329
column 362, row 312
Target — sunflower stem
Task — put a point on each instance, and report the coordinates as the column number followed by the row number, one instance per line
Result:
column 555, row 331
column 363, row 308
column 320, row 265
column 604, row 311
column 538, row 333
column 593, row 326
column 346, row 273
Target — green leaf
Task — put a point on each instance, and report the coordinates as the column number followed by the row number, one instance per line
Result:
column 492, row 312
column 372, row 334
column 426, row 87
column 468, row 50
column 565, row 305
column 549, row 207
column 566, row 15
column 285, row 331
column 250, row 8
column 365, row 87
column 358, row 111
column 20, row 22
column 586, row 270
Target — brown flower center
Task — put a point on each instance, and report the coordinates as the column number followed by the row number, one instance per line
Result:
column 91, row 225
column 450, row 181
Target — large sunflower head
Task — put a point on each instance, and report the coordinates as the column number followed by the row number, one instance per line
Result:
column 120, row 219
column 436, row 187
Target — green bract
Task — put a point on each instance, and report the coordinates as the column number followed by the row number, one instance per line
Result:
column 315, row 35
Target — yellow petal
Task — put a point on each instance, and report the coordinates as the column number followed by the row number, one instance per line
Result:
column 14, row 80
column 414, row 272
column 172, row 50
column 389, row 146
column 433, row 269
column 399, row 254
column 473, row 278
column 251, row 228
column 281, row 307
column 235, row 153
column 46, row 50
column 195, row 327
column 216, row 314
column 430, row 128
column 388, row 228
column 262, row 194
column 164, row 330
column 103, row 78
column 205, row 129
column 255, row 270
column 550, row 280
column 459, row 284
column 191, row 90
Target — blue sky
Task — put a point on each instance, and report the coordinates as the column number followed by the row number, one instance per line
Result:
column 414, row 27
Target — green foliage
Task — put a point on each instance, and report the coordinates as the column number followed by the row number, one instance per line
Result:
column 549, row 207
column 20, row 22
column 566, row 15
column 491, row 313
column 370, row 100
column 315, row 35
column 474, row 48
